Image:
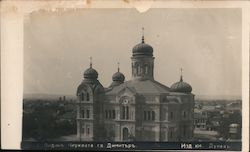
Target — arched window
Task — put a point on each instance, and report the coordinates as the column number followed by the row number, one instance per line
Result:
column 171, row 133
column 82, row 96
column 88, row 113
column 142, row 70
column 149, row 115
column 153, row 115
column 113, row 114
column 87, row 96
column 171, row 115
column 106, row 114
column 166, row 115
column 184, row 114
column 88, row 130
column 125, row 112
column 83, row 112
column 82, row 129
column 146, row 69
column 125, row 134
column 137, row 69
column 109, row 114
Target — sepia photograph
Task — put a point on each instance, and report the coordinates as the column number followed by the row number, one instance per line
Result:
column 92, row 76
column 125, row 79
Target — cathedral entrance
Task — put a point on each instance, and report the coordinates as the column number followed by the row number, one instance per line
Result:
column 125, row 134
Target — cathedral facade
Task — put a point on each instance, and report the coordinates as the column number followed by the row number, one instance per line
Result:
column 140, row 109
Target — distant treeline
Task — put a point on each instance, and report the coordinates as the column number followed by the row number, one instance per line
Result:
column 46, row 120
column 217, row 102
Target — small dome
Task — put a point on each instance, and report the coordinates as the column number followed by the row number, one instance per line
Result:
column 118, row 76
column 142, row 49
column 90, row 73
column 181, row 86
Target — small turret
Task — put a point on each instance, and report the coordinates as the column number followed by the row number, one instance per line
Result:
column 118, row 78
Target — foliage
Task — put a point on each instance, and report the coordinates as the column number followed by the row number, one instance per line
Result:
column 43, row 121
column 234, row 118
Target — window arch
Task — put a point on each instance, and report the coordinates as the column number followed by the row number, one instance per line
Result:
column 171, row 115
column 88, row 130
column 82, row 96
column 125, row 134
column 138, row 70
column 146, row 69
column 125, row 112
column 109, row 114
column 113, row 114
column 142, row 70
column 88, row 113
column 166, row 115
column 82, row 129
column 184, row 114
column 106, row 114
column 153, row 115
column 87, row 96
column 171, row 133
column 149, row 115
column 83, row 112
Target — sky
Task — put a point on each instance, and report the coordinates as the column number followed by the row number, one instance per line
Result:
column 205, row 43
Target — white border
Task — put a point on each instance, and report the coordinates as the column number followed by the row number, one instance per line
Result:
column 12, row 17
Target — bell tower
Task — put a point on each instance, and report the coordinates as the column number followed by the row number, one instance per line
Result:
column 142, row 60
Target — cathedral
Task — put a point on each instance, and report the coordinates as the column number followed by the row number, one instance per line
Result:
column 140, row 109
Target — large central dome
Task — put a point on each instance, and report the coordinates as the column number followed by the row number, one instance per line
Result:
column 142, row 49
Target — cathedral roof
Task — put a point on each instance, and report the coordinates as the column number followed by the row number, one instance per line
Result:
column 115, row 83
column 147, row 86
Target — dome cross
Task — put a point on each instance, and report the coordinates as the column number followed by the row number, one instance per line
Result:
column 142, row 40
column 118, row 65
column 181, row 79
column 90, row 64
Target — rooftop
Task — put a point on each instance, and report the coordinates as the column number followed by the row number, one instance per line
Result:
column 147, row 86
